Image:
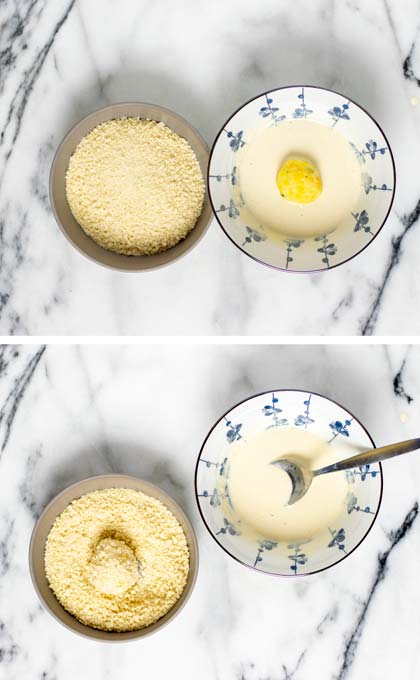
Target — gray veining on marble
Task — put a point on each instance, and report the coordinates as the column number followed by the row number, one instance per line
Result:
column 60, row 60
column 79, row 411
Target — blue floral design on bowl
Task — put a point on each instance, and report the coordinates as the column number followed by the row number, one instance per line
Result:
column 287, row 408
column 371, row 149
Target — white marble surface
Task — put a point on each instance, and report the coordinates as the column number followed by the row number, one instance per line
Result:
column 60, row 60
column 70, row 412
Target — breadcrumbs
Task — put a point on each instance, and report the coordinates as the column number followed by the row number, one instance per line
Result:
column 117, row 559
column 135, row 186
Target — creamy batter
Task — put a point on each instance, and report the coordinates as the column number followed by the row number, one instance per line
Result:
column 259, row 492
column 326, row 150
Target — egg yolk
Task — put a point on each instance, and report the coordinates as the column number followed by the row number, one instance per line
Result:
column 299, row 181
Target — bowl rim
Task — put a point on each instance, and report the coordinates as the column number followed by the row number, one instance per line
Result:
column 144, row 631
column 57, row 153
column 291, row 270
column 250, row 566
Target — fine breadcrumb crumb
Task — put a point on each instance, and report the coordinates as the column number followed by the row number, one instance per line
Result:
column 135, row 186
column 117, row 559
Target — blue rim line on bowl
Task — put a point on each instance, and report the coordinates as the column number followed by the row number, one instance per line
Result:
column 256, row 259
column 243, row 401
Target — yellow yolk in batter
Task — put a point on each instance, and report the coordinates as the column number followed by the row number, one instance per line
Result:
column 299, row 181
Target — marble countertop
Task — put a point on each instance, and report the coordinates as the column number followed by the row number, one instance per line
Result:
column 61, row 60
column 67, row 412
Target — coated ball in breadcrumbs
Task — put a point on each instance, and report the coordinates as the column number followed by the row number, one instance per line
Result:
column 117, row 559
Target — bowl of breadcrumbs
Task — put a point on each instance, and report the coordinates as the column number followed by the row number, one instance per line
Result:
column 127, row 186
column 113, row 558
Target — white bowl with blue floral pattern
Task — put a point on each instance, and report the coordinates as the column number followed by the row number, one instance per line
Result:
column 317, row 414
column 370, row 146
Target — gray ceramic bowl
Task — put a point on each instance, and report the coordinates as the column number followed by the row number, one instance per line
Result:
column 71, row 229
column 42, row 529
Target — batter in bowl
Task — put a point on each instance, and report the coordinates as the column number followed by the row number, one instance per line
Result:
column 259, row 492
column 298, row 178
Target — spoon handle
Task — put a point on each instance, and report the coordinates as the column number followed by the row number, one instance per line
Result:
column 371, row 456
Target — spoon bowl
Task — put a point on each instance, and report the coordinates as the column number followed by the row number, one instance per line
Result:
column 300, row 477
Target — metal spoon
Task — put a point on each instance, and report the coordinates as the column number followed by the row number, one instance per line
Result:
column 301, row 477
